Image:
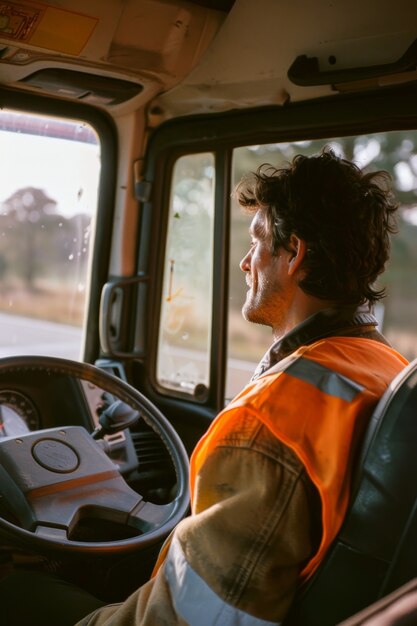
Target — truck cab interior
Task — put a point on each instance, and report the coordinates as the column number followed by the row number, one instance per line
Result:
column 124, row 127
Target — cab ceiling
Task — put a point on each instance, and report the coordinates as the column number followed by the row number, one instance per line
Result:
column 151, row 43
column 185, row 57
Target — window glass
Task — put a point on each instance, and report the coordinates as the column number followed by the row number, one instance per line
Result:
column 185, row 324
column 49, row 180
column 395, row 152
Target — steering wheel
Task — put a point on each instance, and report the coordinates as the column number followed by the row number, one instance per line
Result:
column 51, row 479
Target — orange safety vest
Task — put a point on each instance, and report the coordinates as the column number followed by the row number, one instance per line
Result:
column 317, row 401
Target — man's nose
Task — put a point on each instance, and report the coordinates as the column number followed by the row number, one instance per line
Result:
column 245, row 262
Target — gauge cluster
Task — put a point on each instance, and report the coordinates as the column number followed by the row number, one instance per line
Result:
column 18, row 414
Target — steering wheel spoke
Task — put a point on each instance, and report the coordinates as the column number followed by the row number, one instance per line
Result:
column 147, row 516
column 51, row 533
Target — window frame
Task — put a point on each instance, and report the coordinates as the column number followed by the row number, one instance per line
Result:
column 152, row 266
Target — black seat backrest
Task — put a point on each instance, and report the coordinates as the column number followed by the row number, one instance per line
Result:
column 376, row 549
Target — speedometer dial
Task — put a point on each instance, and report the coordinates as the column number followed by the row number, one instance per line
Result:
column 18, row 414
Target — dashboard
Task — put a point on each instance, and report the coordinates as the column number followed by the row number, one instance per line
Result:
column 33, row 402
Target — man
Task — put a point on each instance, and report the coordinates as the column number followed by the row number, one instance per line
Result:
column 270, row 479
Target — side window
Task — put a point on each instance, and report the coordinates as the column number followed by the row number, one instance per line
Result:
column 185, row 322
column 394, row 151
column 49, row 180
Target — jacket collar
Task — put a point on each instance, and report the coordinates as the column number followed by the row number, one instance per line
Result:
column 325, row 323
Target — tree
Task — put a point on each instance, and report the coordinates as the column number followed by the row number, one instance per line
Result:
column 25, row 216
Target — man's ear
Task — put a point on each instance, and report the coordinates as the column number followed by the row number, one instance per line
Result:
column 298, row 250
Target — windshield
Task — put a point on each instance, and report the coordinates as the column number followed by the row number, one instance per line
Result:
column 48, row 199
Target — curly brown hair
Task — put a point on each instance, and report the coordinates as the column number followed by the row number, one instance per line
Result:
column 344, row 215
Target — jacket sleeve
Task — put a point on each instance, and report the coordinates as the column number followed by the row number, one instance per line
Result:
column 236, row 559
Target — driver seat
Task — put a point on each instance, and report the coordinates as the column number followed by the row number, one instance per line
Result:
column 376, row 549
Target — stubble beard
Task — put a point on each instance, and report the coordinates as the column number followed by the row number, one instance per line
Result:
column 266, row 309
column 254, row 311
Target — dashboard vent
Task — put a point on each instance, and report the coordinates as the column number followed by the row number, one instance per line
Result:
column 151, row 452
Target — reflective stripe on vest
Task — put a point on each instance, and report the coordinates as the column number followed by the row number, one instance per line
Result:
column 318, row 402
column 195, row 601
column 325, row 379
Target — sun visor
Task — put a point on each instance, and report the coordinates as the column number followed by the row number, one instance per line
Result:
column 101, row 90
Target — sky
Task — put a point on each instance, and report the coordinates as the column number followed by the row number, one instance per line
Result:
column 67, row 171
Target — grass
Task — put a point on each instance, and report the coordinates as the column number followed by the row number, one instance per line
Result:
column 47, row 301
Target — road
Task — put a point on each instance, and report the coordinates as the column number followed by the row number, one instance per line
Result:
column 24, row 335
column 28, row 336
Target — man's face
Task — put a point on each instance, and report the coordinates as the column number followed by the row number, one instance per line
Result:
column 269, row 294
